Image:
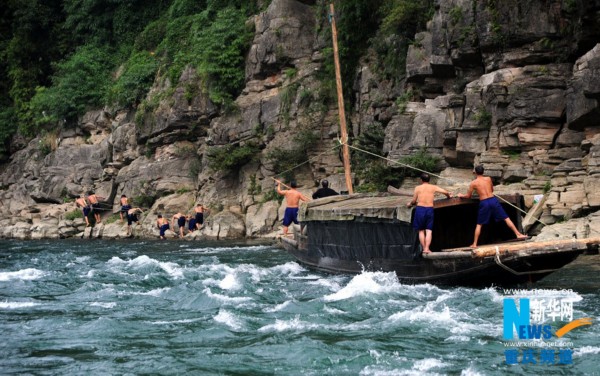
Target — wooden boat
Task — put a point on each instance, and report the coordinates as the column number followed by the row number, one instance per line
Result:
column 356, row 233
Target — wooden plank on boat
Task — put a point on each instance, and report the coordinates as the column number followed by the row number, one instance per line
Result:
column 447, row 255
column 552, row 245
column 534, row 213
column 400, row 192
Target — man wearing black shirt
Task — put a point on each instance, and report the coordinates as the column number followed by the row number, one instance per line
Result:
column 325, row 191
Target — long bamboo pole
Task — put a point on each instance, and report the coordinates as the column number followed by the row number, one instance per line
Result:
column 340, row 95
column 552, row 245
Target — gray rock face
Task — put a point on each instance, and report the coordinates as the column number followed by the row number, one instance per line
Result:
column 584, row 91
column 487, row 83
column 284, row 33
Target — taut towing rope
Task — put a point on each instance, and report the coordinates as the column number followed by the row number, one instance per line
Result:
column 436, row 175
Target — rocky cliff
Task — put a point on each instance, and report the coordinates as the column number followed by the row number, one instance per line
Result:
column 510, row 85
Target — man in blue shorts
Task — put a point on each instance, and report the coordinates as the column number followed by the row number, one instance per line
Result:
column 163, row 226
column 292, row 199
column 423, row 218
column 180, row 223
column 132, row 217
column 489, row 206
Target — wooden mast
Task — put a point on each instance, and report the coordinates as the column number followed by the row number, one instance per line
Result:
column 340, row 95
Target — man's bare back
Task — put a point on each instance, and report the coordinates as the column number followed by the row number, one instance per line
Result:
column 484, row 187
column 424, row 194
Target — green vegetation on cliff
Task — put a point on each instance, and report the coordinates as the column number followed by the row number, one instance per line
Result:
column 60, row 58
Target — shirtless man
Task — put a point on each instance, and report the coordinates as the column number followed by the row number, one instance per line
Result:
column 124, row 207
column 131, row 218
column 199, row 210
column 489, row 206
column 94, row 201
column 163, row 225
column 82, row 203
column 180, row 222
column 423, row 218
column 292, row 199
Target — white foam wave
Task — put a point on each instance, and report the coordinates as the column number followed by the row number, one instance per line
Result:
column 470, row 372
column 28, row 274
column 454, row 339
column 104, row 305
column 586, row 350
column 290, row 268
column 294, row 324
column 334, row 311
column 366, row 283
column 279, row 307
column 230, row 282
column 427, row 313
column 229, row 319
column 142, row 261
column 17, row 305
column 428, row 363
column 155, row 292
column 185, row 321
column 226, row 299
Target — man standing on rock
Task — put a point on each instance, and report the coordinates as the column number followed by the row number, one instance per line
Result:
column 85, row 208
column 199, row 216
column 423, row 218
column 489, row 206
column 131, row 218
column 124, row 207
column 163, row 225
column 94, row 201
column 292, row 200
column 180, row 222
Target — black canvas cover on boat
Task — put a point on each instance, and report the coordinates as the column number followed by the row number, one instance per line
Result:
column 356, row 240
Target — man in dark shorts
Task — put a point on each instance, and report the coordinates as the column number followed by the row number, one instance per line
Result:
column 132, row 217
column 191, row 223
column 423, row 218
column 180, row 222
column 199, row 216
column 94, row 200
column 489, row 206
column 163, row 225
column 124, row 207
column 85, row 208
column 292, row 199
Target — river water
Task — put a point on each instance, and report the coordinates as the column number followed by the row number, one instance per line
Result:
column 148, row 307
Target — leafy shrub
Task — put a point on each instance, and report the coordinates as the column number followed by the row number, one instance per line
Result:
column 231, row 157
column 8, row 119
column 421, row 160
column 79, row 84
column 143, row 200
column 73, row 214
column 286, row 160
column 135, row 81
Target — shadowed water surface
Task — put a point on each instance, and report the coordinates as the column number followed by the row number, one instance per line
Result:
column 110, row 307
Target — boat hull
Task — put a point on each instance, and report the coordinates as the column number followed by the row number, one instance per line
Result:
column 453, row 268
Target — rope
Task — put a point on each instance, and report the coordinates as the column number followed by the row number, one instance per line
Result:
column 432, row 174
column 500, row 264
column 309, row 160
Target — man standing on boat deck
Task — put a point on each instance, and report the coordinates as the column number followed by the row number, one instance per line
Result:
column 423, row 218
column 489, row 206
column 325, row 191
column 292, row 199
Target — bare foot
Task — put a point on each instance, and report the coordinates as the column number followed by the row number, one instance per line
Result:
column 521, row 236
column 473, row 246
column 427, row 251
